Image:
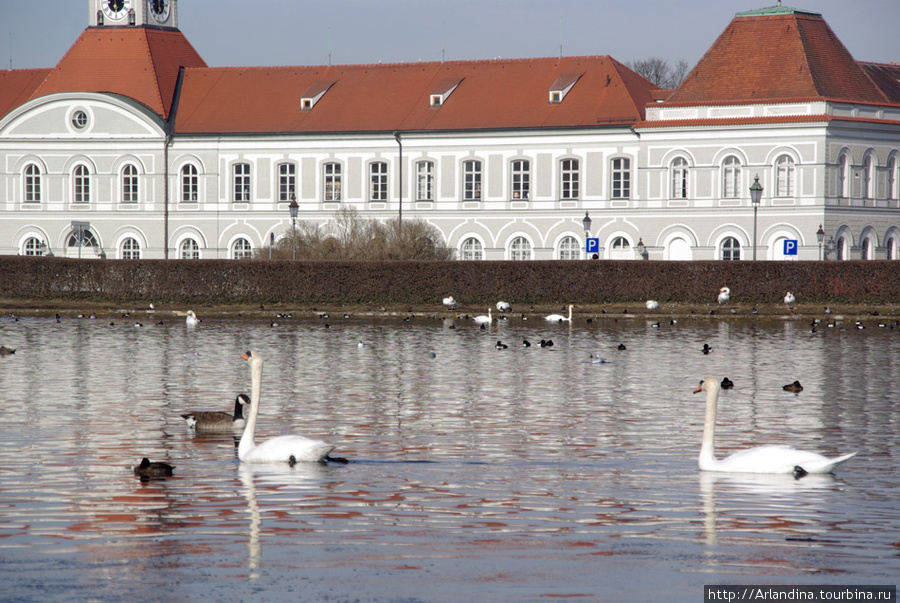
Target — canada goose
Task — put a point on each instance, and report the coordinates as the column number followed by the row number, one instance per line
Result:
column 217, row 421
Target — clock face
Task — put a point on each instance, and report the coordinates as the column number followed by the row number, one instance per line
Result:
column 159, row 9
column 116, row 9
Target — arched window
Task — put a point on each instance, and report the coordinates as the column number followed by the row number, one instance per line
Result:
column 731, row 249
column 472, row 249
column 82, row 184
column 131, row 249
column 784, row 176
column 891, row 248
column 680, row 178
column 568, row 179
column 620, row 249
column 189, row 250
column 569, row 249
column 521, row 179
column 88, row 239
column 378, row 181
column 840, row 249
column 893, row 183
column 287, row 182
column 869, row 178
column 425, row 181
column 520, row 249
column 129, row 184
column 32, row 183
column 844, row 179
column 868, row 249
column 190, row 184
column 731, row 178
column 241, row 250
column 34, row 247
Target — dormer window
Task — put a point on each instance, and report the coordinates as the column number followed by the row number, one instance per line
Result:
column 561, row 87
column 313, row 94
column 444, row 89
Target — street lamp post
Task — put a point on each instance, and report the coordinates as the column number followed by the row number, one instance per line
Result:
column 641, row 249
column 295, row 209
column 820, row 237
column 586, row 222
column 756, row 190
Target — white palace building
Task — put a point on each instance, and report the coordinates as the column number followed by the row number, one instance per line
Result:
column 133, row 146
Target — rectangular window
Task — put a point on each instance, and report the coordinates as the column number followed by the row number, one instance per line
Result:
column 378, row 181
column 472, row 180
column 332, row 182
column 129, row 184
column 521, row 178
column 680, row 179
column 784, row 177
column 241, row 182
column 287, row 182
column 569, row 179
column 32, row 184
column 621, row 178
column 731, row 178
column 82, row 185
column 189, row 184
column 425, row 181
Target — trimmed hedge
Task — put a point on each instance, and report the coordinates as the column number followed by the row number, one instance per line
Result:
column 426, row 282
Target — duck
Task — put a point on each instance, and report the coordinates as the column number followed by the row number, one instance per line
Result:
column 191, row 319
column 724, row 296
column 789, row 299
column 148, row 470
column 219, row 421
column 727, row 383
column 560, row 317
column 526, row 343
column 501, row 346
column 5, row 351
column 794, row 387
column 484, row 319
column 290, row 449
column 759, row 459
column 503, row 306
column 706, row 349
column 450, row 302
column 652, row 304
column 546, row 343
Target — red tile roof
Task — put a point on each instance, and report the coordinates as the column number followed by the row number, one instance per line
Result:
column 137, row 62
column 17, row 86
column 886, row 77
column 396, row 97
column 784, row 56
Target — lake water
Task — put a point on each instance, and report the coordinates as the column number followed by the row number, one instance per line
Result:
column 476, row 474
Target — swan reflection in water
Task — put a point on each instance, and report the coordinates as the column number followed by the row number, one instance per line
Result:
column 274, row 478
column 743, row 506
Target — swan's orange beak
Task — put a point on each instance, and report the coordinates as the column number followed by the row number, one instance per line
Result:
column 246, row 355
column 699, row 388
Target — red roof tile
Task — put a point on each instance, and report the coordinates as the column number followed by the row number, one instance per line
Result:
column 780, row 56
column 17, row 86
column 137, row 62
column 886, row 77
column 386, row 98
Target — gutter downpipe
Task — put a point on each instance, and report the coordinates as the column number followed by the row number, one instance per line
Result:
column 170, row 132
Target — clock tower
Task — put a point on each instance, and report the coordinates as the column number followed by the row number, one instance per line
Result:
column 133, row 13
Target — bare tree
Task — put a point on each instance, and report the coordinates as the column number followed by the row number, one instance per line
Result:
column 660, row 72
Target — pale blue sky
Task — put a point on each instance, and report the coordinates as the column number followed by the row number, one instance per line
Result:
column 36, row 33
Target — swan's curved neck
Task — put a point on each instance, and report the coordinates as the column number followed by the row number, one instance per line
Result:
column 248, row 441
column 707, row 447
column 570, row 313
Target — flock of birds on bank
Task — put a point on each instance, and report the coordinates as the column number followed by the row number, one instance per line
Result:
column 291, row 449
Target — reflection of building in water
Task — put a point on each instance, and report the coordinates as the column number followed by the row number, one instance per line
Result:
column 504, row 157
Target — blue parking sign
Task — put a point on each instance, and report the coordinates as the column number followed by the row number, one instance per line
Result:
column 790, row 247
column 593, row 245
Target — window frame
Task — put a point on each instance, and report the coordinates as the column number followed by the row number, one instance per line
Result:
column 130, row 187
column 620, row 167
column 241, row 182
column 473, row 180
column 287, row 181
column 244, row 253
column 785, row 176
column 332, row 173
column 471, row 249
column 844, row 176
column 731, row 177
column 569, row 179
column 193, row 252
column 893, row 190
column 730, row 249
column 425, row 180
column 31, row 176
column 33, row 247
column 81, row 184
column 378, row 181
column 520, row 249
column 570, row 248
column 868, row 177
column 680, row 181
column 130, row 249
column 520, row 179
column 190, row 183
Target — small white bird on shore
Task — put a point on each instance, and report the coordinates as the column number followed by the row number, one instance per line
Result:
column 724, row 296
column 789, row 299
column 652, row 304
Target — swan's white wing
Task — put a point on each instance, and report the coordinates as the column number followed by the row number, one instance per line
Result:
column 774, row 459
column 282, row 448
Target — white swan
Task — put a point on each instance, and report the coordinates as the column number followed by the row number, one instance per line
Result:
column 652, row 304
column 215, row 421
column 282, row 449
column 560, row 317
column 450, row 302
column 191, row 320
column 759, row 459
column 789, row 298
column 484, row 320
column 503, row 306
column 724, row 296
